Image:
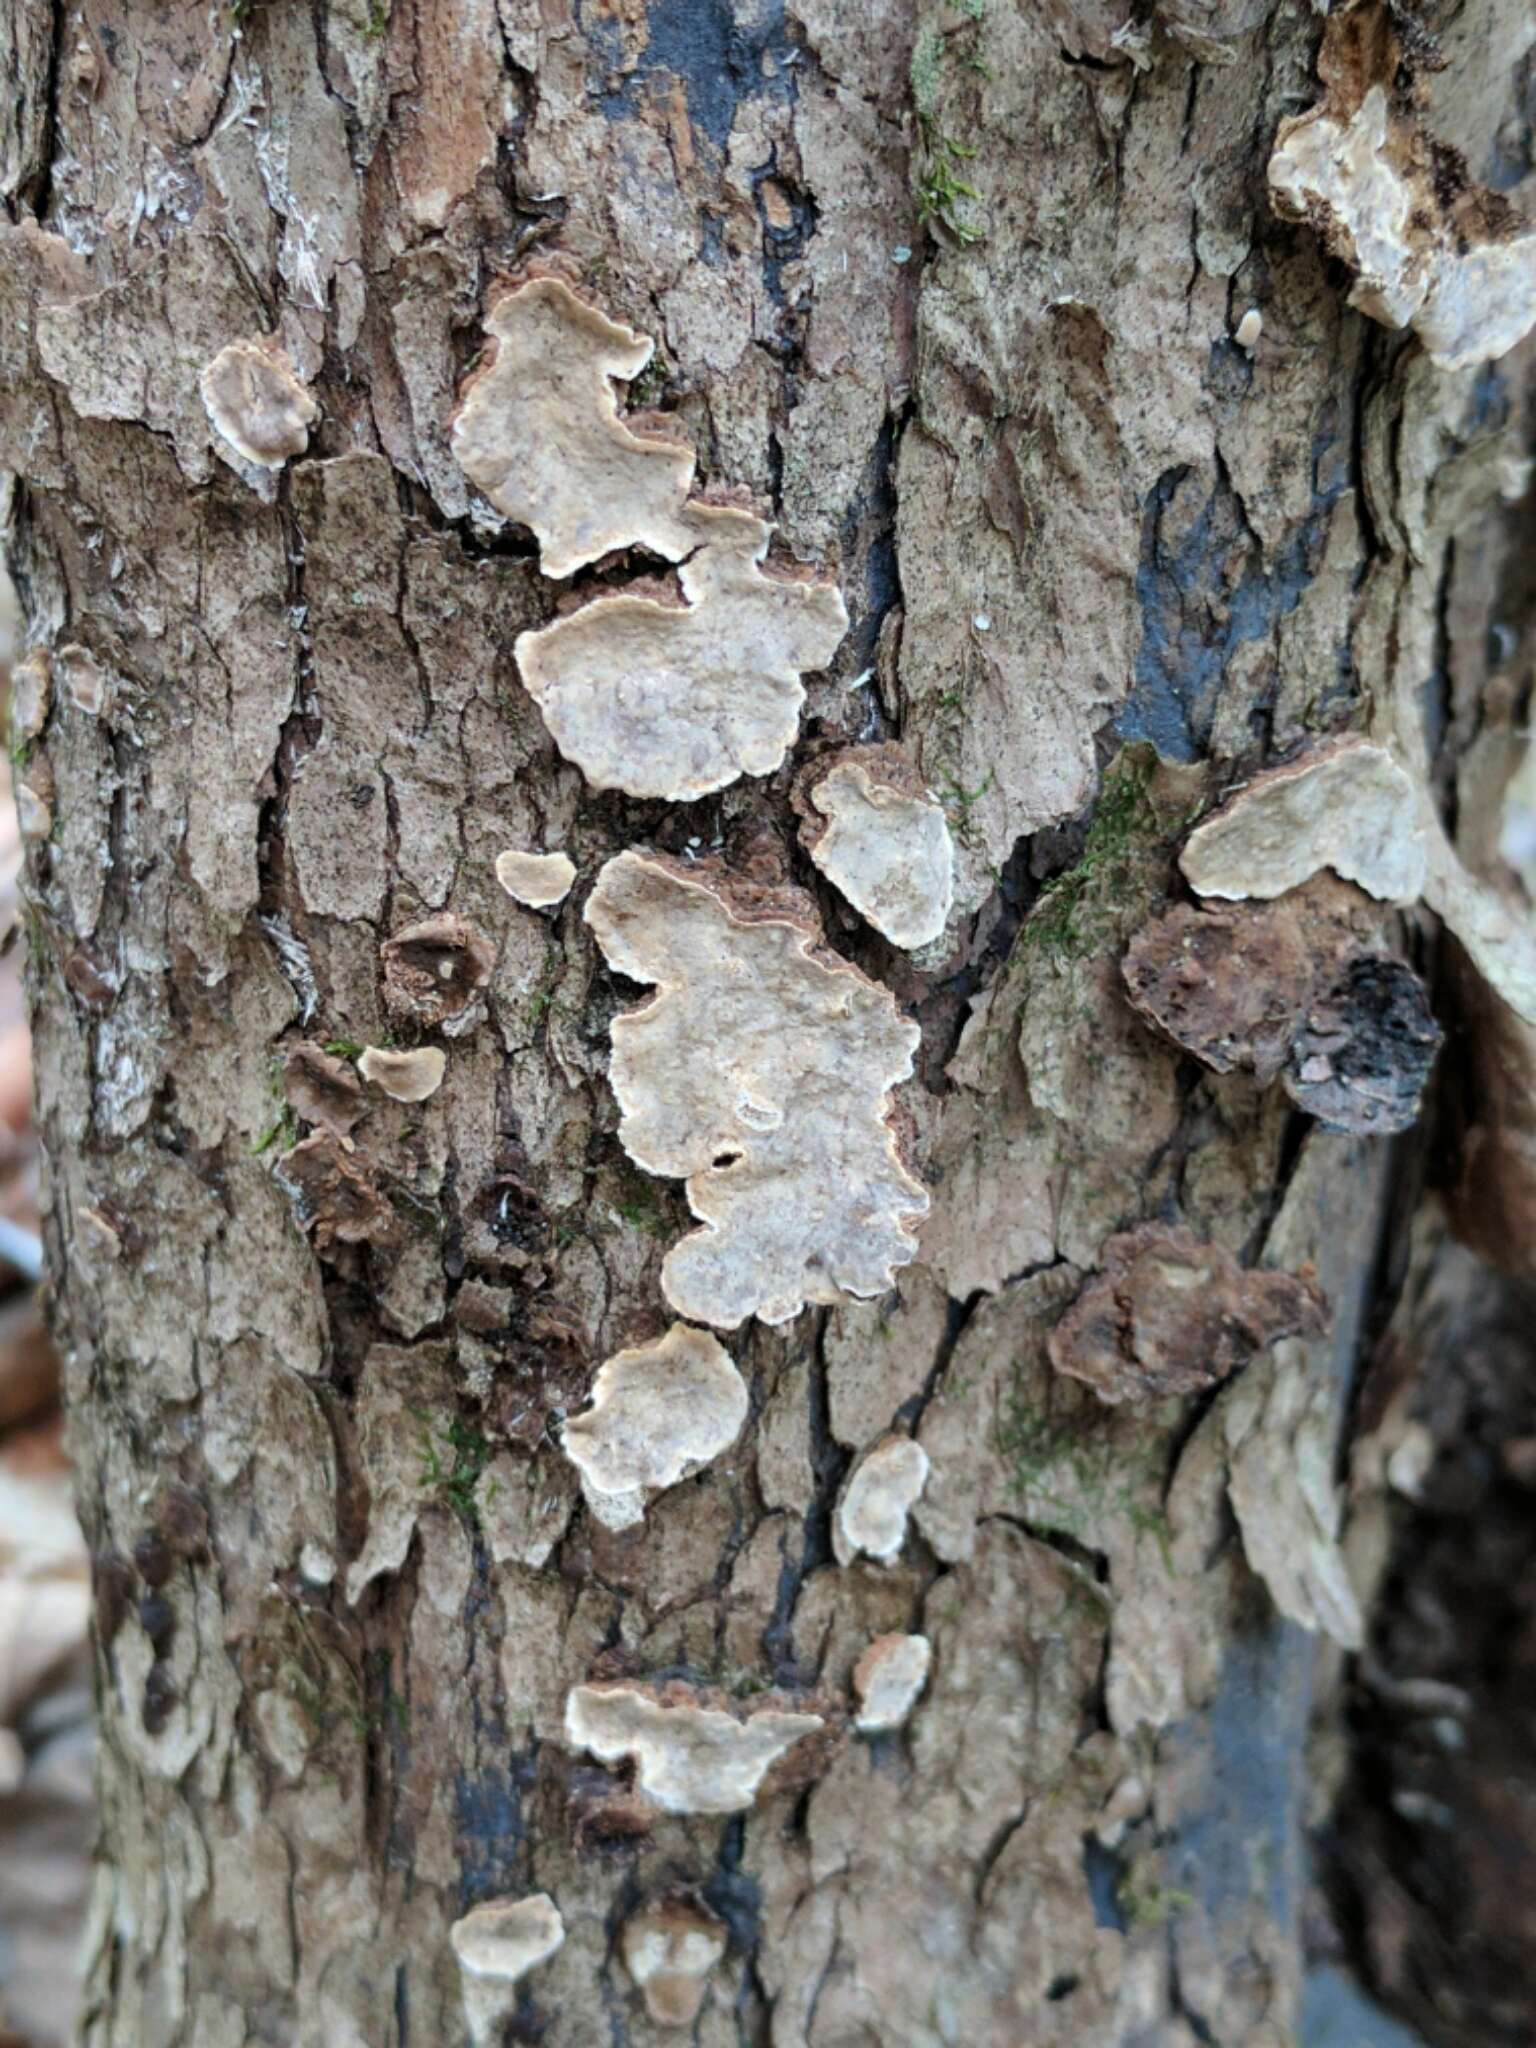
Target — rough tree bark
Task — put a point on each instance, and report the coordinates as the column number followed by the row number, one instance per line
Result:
column 953, row 294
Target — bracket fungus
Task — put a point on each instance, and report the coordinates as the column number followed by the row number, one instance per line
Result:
column 1347, row 805
column 871, row 826
column 434, row 970
column 1364, row 1049
column 404, row 1076
column 1169, row 1315
column 879, row 1494
column 1288, row 989
column 538, row 880
column 340, row 1202
column 689, row 1757
column 496, row 1946
column 760, row 1074
column 321, row 1088
column 1431, row 249
column 889, row 1679
column 255, row 402
column 659, row 1412
column 674, row 700
column 538, row 430
column 670, row 1950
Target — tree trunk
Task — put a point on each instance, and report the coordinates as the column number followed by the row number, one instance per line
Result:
column 954, row 295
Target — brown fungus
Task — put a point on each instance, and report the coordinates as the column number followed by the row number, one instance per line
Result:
column 760, row 1074
column 434, row 970
column 1363, row 1051
column 1168, row 1315
column 321, row 1089
column 675, row 700
column 538, row 430
column 339, row 1199
column 1286, row 989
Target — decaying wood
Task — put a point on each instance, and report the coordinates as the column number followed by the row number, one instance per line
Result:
column 962, row 300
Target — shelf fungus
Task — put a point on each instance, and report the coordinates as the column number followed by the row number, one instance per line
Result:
column 870, row 824
column 1346, row 805
column 760, row 1074
column 496, row 1946
column 338, row 1198
column 1168, row 1315
column 322, row 1089
column 659, row 1412
column 434, row 970
column 538, row 430
column 889, row 1679
column 537, row 880
column 662, row 699
column 410, row 1076
column 880, row 1493
column 690, row 1754
column 670, row 1950
column 255, row 403
column 1289, row 990
column 1431, row 249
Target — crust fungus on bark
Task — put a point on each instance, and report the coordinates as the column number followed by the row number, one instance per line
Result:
column 256, row 404
column 410, row 1076
column 871, row 1515
column 1292, row 989
column 676, row 700
column 538, row 430
column 1347, row 805
column 659, row 1412
column 670, row 1951
column 496, row 1946
column 870, row 824
column 434, row 970
column 322, row 1089
column 537, row 880
column 760, row 1074
column 889, row 1679
column 1430, row 248
column 689, row 1756
column 1168, row 1315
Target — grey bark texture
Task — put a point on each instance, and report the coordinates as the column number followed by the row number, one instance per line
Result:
column 953, row 295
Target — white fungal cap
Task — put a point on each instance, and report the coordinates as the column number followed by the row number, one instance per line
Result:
column 670, row 1951
column 255, row 402
column 759, row 1072
column 1365, row 178
column 880, row 1492
column 538, row 879
column 688, row 1758
column 406, row 1076
column 1249, row 328
column 539, row 432
column 497, row 1945
column 659, row 1412
column 1348, row 806
column 668, row 700
column 888, row 1679
column 886, row 846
